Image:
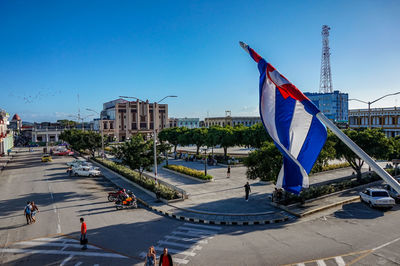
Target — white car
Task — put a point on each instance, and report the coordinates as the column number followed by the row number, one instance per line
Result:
column 78, row 163
column 377, row 197
column 85, row 171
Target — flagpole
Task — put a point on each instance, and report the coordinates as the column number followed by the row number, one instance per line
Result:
column 359, row 152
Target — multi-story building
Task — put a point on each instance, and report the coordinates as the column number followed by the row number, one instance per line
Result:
column 333, row 105
column 388, row 119
column 189, row 122
column 6, row 135
column 120, row 119
column 16, row 123
column 173, row 122
column 232, row 121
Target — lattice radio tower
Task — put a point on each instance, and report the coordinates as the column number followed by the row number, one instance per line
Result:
column 325, row 83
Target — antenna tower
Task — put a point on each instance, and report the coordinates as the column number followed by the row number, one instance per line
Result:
column 325, row 83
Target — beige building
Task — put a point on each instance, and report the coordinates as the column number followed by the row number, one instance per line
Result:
column 232, row 121
column 388, row 119
column 120, row 119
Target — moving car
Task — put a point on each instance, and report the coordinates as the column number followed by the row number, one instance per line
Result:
column 63, row 152
column 85, row 171
column 46, row 158
column 377, row 197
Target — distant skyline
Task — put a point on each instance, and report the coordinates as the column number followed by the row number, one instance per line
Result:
column 51, row 51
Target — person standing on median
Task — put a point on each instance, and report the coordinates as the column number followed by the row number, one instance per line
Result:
column 228, row 172
column 83, row 234
column 247, row 190
column 165, row 259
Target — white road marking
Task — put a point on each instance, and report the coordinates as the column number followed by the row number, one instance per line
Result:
column 64, row 248
column 64, row 240
column 301, row 264
column 205, row 232
column 193, row 234
column 96, row 265
column 211, row 227
column 37, row 243
column 321, row 263
column 388, row 243
column 175, row 251
column 168, row 243
column 195, row 240
column 78, row 263
column 180, row 261
column 339, row 261
column 59, row 252
column 58, row 227
column 66, row 260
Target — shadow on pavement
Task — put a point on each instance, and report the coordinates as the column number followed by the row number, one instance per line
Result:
column 358, row 210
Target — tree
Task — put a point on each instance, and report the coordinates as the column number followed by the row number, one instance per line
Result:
column 226, row 138
column 82, row 140
column 198, row 137
column 264, row 163
column 171, row 135
column 137, row 153
column 213, row 137
column 372, row 141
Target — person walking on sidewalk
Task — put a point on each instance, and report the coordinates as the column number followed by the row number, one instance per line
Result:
column 150, row 257
column 84, row 239
column 228, row 172
column 165, row 259
column 34, row 211
column 247, row 190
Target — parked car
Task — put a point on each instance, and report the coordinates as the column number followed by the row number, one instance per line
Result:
column 85, row 171
column 377, row 197
column 393, row 193
column 46, row 158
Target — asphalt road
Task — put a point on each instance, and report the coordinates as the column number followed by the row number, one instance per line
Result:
column 352, row 234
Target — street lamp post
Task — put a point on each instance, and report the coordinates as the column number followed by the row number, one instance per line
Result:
column 101, row 130
column 154, row 127
column 371, row 102
column 205, row 160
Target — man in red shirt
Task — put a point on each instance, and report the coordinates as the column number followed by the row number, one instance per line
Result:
column 165, row 259
column 83, row 234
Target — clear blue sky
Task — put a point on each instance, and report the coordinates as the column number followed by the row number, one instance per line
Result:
column 52, row 50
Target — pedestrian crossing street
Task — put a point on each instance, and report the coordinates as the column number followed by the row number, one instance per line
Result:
column 62, row 249
column 185, row 241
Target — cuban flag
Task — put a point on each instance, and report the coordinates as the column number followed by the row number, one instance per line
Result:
column 290, row 119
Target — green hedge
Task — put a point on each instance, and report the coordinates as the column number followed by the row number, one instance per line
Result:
column 188, row 171
column 147, row 183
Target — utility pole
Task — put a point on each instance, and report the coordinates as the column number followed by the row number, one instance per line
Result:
column 325, row 83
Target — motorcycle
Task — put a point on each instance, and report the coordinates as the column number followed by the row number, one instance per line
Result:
column 129, row 202
column 113, row 196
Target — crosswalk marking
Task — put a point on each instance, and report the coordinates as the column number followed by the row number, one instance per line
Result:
column 196, row 240
column 205, row 232
column 321, row 263
column 211, row 227
column 190, row 233
column 59, row 252
column 169, row 243
column 38, row 243
column 185, row 241
column 340, row 261
column 66, row 260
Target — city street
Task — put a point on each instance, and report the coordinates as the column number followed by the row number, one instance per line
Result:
column 352, row 234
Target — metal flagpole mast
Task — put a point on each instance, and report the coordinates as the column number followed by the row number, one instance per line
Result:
column 359, row 152
column 354, row 147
